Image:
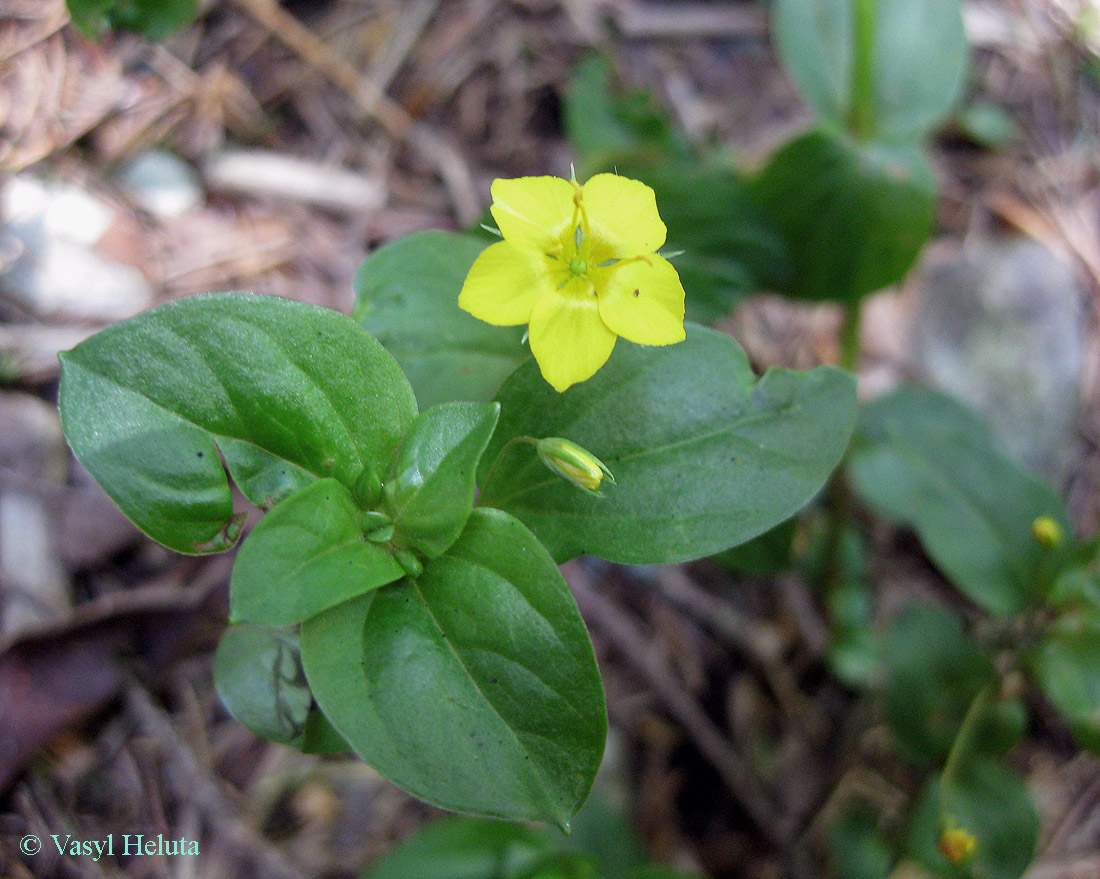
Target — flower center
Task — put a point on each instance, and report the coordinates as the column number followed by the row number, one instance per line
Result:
column 578, row 266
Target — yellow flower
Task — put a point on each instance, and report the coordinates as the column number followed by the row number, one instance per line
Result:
column 579, row 265
column 957, row 844
column 1047, row 532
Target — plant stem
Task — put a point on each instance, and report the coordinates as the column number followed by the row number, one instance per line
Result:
column 838, row 500
column 963, row 738
column 849, row 336
column 496, row 461
column 861, row 115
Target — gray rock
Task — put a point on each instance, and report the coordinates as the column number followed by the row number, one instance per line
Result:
column 34, row 586
column 1000, row 327
column 57, row 270
column 161, row 183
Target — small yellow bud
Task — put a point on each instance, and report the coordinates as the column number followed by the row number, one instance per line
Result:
column 957, row 844
column 1047, row 532
column 573, row 463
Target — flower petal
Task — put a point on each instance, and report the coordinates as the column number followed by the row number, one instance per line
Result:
column 533, row 211
column 503, row 285
column 622, row 217
column 568, row 338
column 642, row 300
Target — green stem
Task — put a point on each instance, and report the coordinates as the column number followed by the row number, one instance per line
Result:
column 496, row 461
column 838, row 510
column 849, row 336
column 861, row 112
column 838, row 498
column 963, row 739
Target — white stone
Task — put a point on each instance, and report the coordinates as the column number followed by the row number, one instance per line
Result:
column 161, row 183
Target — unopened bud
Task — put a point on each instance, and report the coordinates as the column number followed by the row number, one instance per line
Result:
column 367, row 490
column 377, row 526
column 957, row 844
column 409, row 562
column 1047, row 532
column 573, row 463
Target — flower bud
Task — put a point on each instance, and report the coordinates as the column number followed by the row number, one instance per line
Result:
column 367, row 490
column 957, row 844
column 1046, row 532
column 409, row 562
column 573, row 463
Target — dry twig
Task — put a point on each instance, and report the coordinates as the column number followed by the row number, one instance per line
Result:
column 710, row 741
column 374, row 103
column 195, row 785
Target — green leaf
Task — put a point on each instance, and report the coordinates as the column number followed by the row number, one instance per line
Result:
column 765, row 556
column 853, row 648
column 602, row 832
column 992, row 805
column 857, row 850
column 155, row 19
column 853, row 217
column 704, row 456
column 407, row 297
column 562, row 865
column 305, row 556
column 729, row 246
column 262, row 478
column 258, row 675
column 987, row 125
column 933, row 674
column 1076, row 587
column 1066, row 666
column 814, row 40
column 320, row 737
column 431, row 482
column 924, row 460
column 916, row 65
column 90, row 16
column 465, row 848
column 1001, row 726
column 473, row 687
column 143, row 402
column 605, row 127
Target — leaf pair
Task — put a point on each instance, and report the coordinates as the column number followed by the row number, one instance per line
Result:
column 898, row 64
column 468, row 679
column 705, row 456
column 289, row 392
column 309, row 553
column 921, row 458
column 472, row 682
